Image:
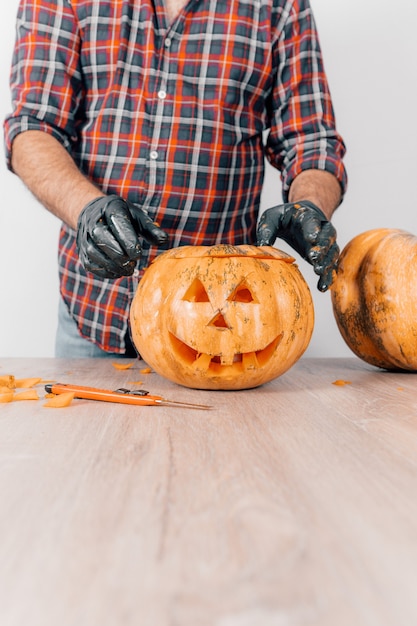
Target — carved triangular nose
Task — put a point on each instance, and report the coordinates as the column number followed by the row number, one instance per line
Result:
column 219, row 321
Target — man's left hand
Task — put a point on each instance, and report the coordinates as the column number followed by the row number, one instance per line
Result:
column 307, row 230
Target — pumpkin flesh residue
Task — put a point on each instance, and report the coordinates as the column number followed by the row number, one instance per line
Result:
column 341, row 383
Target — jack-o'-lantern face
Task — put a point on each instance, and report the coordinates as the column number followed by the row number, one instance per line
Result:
column 220, row 322
column 222, row 317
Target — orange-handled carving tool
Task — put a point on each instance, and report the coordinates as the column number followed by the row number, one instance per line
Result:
column 121, row 396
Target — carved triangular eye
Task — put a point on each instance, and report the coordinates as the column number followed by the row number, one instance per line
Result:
column 242, row 293
column 196, row 292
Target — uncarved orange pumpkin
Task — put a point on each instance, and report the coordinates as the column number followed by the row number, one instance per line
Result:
column 374, row 298
column 222, row 317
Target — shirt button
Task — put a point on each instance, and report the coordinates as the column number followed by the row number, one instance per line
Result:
column 162, row 94
column 167, row 43
column 153, row 155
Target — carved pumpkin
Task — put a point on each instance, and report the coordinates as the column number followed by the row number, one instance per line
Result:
column 374, row 298
column 222, row 317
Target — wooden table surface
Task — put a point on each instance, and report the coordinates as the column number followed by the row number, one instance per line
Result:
column 294, row 504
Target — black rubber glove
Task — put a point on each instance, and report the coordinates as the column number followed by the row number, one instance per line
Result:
column 108, row 232
column 306, row 229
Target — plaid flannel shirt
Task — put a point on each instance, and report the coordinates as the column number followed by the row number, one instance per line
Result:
column 173, row 118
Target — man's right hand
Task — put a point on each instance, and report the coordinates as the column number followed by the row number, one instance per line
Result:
column 108, row 232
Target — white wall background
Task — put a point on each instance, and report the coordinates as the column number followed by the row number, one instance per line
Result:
column 370, row 53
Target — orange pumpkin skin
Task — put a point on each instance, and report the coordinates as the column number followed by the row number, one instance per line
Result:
column 374, row 298
column 222, row 317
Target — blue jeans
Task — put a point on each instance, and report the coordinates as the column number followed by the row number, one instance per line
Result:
column 69, row 344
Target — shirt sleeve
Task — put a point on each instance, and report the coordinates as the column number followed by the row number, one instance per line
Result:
column 303, row 131
column 45, row 79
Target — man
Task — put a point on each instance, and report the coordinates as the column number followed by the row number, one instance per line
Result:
column 141, row 125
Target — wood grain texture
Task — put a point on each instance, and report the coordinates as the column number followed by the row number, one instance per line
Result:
column 293, row 504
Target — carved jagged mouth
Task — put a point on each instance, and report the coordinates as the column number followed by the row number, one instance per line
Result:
column 216, row 363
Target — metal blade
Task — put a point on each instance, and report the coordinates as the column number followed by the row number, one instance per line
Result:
column 185, row 405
